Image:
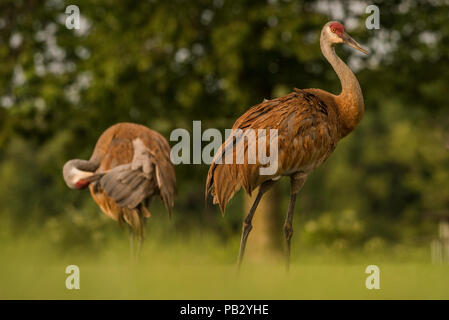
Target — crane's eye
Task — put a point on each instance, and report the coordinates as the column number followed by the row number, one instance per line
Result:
column 333, row 30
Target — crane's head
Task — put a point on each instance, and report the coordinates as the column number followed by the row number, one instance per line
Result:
column 79, row 173
column 334, row 32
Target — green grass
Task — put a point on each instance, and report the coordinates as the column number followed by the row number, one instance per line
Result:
column 203, row 268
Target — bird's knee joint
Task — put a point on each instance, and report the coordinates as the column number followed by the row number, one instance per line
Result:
column 288, row 231
column 247, row 226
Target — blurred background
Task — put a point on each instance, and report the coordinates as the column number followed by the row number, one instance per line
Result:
column 384, row 193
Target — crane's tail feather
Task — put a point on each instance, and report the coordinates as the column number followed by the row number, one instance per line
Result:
column 222, row 183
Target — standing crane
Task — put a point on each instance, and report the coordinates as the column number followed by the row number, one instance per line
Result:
column 309, row 124
column 130, row 164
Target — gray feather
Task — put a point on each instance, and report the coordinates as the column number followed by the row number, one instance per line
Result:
column 130, row 184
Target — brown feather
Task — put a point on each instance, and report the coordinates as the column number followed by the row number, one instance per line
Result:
column 307, row 130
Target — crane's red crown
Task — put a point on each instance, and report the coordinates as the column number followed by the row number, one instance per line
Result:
column 337, row 28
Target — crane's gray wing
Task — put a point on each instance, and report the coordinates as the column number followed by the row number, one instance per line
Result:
column 129, row 184
column 126, row 186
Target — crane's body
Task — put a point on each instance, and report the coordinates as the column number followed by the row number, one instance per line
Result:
column 307, row 134
column 129, row 165
column 309, row 124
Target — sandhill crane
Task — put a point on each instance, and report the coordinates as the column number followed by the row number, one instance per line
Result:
column 130, row 164
column 309, row 124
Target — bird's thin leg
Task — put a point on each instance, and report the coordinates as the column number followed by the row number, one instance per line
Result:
column 288, row 229
column 247, row 226
column 140, row 238
column 131, row 241
column 139, row 247
column 296, row 183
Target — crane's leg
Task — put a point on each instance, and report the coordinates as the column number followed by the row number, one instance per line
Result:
column 139, row 247
column 131, row 241
column 296, row 183
column 288, row 229
column 136, row 225
column 247, row 226
column 141, row 236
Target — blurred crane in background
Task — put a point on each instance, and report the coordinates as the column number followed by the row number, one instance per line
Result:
column 309, row 124
column 130, row 164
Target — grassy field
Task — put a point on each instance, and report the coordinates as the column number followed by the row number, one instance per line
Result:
column 202, row 268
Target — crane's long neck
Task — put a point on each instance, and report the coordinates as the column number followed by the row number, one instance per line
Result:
column 350, row 101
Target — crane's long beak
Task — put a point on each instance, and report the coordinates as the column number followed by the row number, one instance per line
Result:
column 352, row 43
column 94, row 177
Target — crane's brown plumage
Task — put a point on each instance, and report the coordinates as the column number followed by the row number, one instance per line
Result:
column 309, row 124
column 132, row 164
column 307, row 131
